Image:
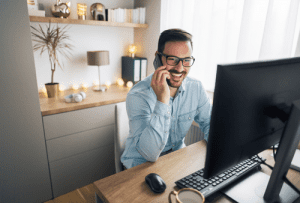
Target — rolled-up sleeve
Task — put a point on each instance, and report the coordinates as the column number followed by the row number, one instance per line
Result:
column 149, row 128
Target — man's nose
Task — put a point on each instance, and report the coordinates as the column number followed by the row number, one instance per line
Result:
column 179, row 67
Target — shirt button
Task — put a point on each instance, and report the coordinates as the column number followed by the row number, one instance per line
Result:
column 166, row 132
column 173, row 116
column 190, row 118
column 168, row 112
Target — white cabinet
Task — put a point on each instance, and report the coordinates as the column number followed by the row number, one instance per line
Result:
column 68, row 123
column 80, row 146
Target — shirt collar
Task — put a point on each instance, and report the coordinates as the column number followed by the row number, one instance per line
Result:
column 182, row 87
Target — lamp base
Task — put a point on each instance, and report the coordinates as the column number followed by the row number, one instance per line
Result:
column 100, row 88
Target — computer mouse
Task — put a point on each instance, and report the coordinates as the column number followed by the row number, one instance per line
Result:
column 155, row 182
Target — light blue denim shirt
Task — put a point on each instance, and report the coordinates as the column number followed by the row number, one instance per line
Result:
column 156, row 127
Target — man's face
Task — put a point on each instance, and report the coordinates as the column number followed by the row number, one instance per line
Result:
column 178, row 72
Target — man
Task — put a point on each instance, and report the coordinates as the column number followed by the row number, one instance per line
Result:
column 160, row 113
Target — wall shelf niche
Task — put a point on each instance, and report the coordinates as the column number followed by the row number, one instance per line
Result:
column 84, row 22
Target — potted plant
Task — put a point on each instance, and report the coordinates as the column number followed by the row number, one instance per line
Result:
column 54, row 40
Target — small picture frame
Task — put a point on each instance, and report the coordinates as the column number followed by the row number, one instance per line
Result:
column 32, row 4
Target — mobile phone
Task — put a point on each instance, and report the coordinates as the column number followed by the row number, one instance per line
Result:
column 157, row 63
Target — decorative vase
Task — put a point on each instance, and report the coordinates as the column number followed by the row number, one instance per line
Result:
column 52, row 89
column 98, row 11
column 61, row 10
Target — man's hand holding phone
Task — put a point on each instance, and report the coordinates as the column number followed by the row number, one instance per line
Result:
column 159, row 84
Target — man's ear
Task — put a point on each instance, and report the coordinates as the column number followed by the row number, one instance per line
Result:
column 156, row 53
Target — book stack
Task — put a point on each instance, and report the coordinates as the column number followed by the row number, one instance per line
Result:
column 123, row 15
column 134, row 69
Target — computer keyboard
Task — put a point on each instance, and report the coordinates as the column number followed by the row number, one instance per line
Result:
column 209, row 186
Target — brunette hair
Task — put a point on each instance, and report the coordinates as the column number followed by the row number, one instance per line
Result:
column 173, row 35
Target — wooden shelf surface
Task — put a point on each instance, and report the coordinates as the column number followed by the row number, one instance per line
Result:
column 50, row 106
column 84, row 22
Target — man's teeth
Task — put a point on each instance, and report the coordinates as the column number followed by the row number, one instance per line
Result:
column 176, row 75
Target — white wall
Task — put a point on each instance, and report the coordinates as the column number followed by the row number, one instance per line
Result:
column 147, row 39
column 86, row 38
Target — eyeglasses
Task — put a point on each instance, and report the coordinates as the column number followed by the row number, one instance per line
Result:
column 174, row 60
column 187, row 195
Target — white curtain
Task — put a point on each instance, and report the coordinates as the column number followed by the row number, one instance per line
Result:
column 230, row 31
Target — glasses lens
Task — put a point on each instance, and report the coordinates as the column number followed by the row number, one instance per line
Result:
column 188, row 62
column 172, row 60
column 187, row 196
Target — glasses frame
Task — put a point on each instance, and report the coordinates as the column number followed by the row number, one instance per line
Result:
column 183, row 189
column 180, row 59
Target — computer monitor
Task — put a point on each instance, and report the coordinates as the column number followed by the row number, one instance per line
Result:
column 251, row 108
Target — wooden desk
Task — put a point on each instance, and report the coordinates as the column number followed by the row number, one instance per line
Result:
column 130, row 186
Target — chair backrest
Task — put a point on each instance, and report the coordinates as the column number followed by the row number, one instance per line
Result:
column 121, row 133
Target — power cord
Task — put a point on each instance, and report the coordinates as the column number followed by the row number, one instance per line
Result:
column 285, row 179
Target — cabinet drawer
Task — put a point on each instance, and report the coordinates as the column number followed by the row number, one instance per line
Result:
column 80, row 170
column 78, row 143
column 77, row 121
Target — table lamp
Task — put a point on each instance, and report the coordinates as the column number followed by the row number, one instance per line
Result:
column 132, row 50
column 98, row 58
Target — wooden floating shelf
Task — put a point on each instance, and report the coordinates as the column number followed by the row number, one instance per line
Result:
column 84, row 22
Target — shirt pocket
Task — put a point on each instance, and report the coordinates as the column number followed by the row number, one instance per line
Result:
column 184, row 123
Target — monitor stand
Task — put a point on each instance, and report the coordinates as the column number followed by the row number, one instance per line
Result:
column 266, row 188
column 252, row 189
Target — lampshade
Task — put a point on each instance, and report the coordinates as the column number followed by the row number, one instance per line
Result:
column 98, row 58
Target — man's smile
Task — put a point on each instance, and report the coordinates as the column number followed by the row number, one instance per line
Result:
column 176, row 76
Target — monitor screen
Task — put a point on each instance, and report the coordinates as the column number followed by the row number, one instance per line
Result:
column 241, row 125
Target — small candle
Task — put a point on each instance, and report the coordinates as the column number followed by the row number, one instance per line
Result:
column 84, row 85
column 120, row 82
column 129, row 84
column 81, row 11
column 75, row 86
column 62, row 88
column 95, row 83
